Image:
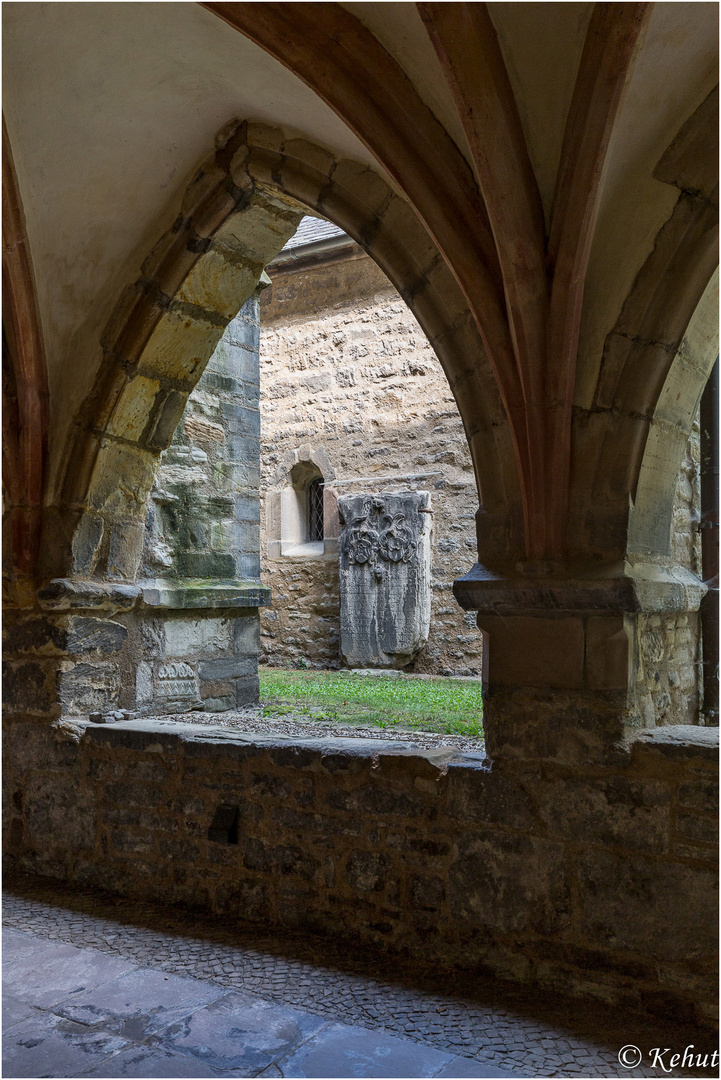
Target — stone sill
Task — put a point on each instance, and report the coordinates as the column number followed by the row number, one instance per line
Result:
column 193, row 593
column 201, row 740
column 312, row 550
column 679, row 741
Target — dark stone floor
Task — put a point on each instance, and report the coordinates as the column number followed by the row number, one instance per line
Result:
column 96, row 985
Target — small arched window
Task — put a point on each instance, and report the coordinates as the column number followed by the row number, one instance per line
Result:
column 315, row 510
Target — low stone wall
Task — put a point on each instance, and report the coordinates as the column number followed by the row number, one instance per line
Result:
column 597, row 880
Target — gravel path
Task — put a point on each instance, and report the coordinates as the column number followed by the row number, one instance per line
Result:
column 300, row 724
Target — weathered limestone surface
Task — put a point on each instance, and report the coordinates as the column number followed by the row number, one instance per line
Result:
column 194, row 637
column 385, row 587
column 347, row 371
column 598, row 880
column 204, row 509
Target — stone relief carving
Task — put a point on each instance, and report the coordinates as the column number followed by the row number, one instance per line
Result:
column 177, row 681
column 384, row 552
column 376, row 534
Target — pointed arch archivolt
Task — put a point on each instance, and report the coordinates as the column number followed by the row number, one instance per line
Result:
column 241, row 207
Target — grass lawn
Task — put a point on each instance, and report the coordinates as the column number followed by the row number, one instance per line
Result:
column 449, row 706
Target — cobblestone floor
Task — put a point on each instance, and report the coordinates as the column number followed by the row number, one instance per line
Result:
column 484, row 1021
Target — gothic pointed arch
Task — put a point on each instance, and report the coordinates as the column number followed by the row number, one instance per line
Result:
column 243, row 204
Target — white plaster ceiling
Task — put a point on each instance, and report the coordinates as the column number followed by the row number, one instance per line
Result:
column 110, row 108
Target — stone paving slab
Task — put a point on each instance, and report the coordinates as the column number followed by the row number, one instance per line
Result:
column 49, row 1045
column 144, row 1062
column 14, row 1011
column 342, row 1051
column 480, row 1021
column 18, row 945
column 139, row 1003
column 239, row 1032
column 46, row 976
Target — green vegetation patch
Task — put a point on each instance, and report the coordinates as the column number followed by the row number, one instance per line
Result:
column 447, row 706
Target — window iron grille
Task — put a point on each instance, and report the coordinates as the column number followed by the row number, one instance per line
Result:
column 315, row 510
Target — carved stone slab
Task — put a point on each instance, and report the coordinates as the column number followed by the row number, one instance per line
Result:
column 385, row 577
column 177, row 682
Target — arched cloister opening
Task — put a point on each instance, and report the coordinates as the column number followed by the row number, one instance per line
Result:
column 241, row 207
column 249, row 199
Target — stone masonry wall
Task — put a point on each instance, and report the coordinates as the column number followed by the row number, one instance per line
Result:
column 598, row 880
column 346, row 369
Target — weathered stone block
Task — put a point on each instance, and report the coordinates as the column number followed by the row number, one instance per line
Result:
column 132, row 841
column 87, row 635
column 697, row 829
column 482, row 795
column 244, row 899
column 229, row 668
column 266, row 786
column 427, row 893
column 219, row 284
column 616, row 811
column 29, row 684
column 699, row 794
column 58, row 815
column 35, row 634
column 375, row 798
column 622, row 896
column 384, row 552
column 366, row 871
column 179, row 345
column 325, row 825
column 240, row 420
column 607, row 653
column 509, row 883
column 177, row 685
column 136, row 795
column 130, row 415
column 246, row 635
column 36, row 744
column 84, row 688
column 167, row 419
column 247, row 690
column 206, row 564
column 528, row 651
column 125, row 549
column 189, row 636
column 247, row 508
